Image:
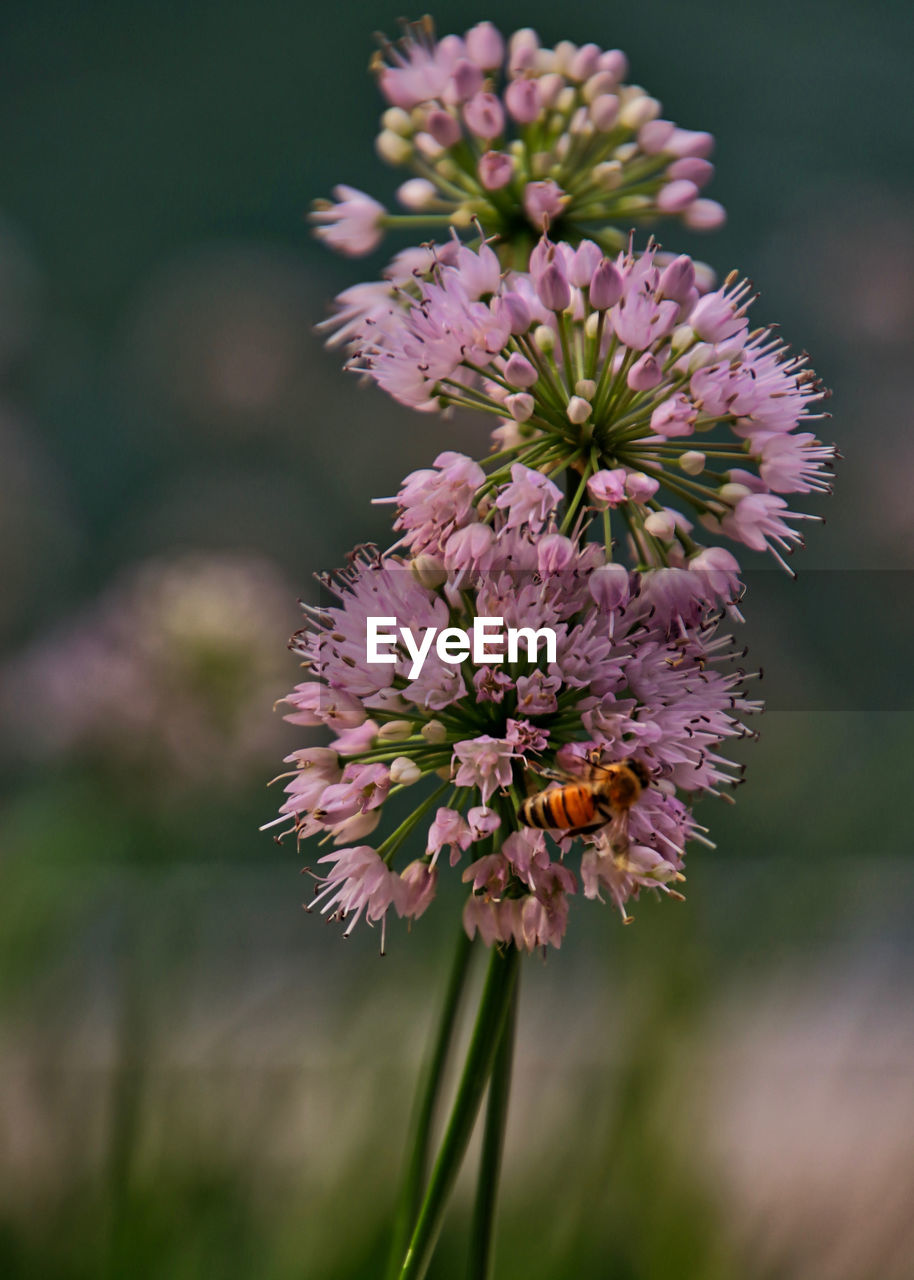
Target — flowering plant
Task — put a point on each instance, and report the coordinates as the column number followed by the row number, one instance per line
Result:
column 621, row 371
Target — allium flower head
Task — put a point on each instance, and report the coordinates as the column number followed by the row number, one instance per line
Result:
column 163, row 678
column 628, row 372
column 520, row 135
column 631, row 678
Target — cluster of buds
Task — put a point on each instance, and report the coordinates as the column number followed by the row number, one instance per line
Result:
column 520, row 136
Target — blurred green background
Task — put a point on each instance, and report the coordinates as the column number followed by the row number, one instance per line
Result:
column 195, row 1078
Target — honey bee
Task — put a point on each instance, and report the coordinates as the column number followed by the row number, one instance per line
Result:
column 604, row 794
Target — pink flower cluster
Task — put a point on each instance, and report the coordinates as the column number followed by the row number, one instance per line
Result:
column 513, row 132
column 635, row 412
column 638, row 673
column 626, row 370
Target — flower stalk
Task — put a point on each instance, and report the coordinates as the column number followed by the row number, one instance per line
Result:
column 427, row 1104
column 494, row 1007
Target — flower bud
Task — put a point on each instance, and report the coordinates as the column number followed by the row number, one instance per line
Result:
column 653, row 136
column 692, row 462
column 484, row 116
column 397, row 121
column 705, row 215
column 596, row 86
column 404, row 771
column 645, row 373
column 395, row 731
column 607, row 174
column 615, row 63
column 678, row 279
column 418, row 194
column 495, row 170
column 552, row 288
column 585, row 62
column 520, row 372
column 522, row 98
column 674, row 417
column 513, row 308
column 544, row 337
column 520, row 406
column 639, row 487
column 548, row 88
column 638, row 111
column 604, row 111
column 607, row 488
column 466, row 80
column 676, row 196
column 606, row 286
column 522, row 49
column 578, row 410
column 443, row 127
column 688, row 142
column 543, row 200
column 733, row 493
column 485, row 45
column 392, row 148
column 433, row 151
column 690, row 167
column 660, row 524
column 428, row 571
column 433, row 731
column 586, row 388
column 586, row 259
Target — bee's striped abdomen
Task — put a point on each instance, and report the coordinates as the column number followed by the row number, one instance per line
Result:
column 562, row 808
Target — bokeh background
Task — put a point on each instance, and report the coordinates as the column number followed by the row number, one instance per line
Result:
column 196, row 1079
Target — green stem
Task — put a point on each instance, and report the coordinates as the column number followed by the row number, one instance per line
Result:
column 427, row 1103
column 490, row 1021
column 482, row 1231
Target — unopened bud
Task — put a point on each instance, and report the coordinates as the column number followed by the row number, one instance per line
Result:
column 418, row 194
column 397, row 121
column 638, row 111
column 392, row 148
column 428, row 571
column 520, row 372
column 705, row 215
column 692, row 462
column 544, row 338
column 520, row 406
column 676, row 196
column 586, row 388
column 608, row 174
column 598, row 85
column 606, row 286
column 443, row 127
column 660, row 525
column 653, row 136
column 395, row 731
column 404, row 771
column 578, row 410
column 434, row 731
column 604, row 111
column 682, row 337
column 645, row 373
column 733, row 493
